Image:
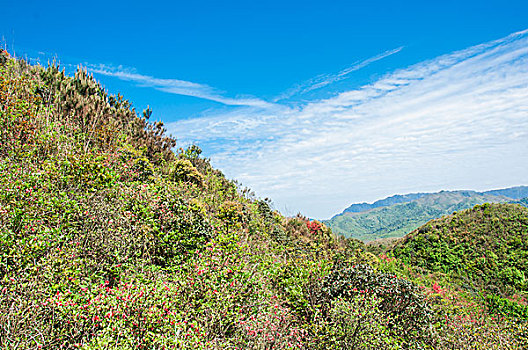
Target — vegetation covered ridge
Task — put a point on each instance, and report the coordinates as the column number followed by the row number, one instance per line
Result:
column 112, row 238
column 484, row 250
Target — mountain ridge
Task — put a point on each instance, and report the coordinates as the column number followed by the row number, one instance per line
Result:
column 515, row 192
column 382, row 219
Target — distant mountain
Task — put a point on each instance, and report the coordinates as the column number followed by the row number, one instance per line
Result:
column 397, row 215
column 517, row 193
column 396, row 199
column 523, row 202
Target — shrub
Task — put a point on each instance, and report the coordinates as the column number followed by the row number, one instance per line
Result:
column 401, row 303
column 353, row 323
column 183, row 170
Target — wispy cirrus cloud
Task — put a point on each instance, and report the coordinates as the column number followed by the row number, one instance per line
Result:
column 176, row 86
column 457, row 121
column 323, row 80
column 204, row 91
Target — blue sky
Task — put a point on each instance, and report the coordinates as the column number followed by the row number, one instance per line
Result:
column 314, row 104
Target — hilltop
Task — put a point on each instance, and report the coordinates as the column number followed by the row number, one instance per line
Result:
column 483, row 249
column 400, row 214
column 113, row 237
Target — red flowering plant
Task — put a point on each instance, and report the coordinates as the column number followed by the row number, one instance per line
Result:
column 314, row 226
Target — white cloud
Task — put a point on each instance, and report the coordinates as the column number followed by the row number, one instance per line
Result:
column 175, row 86
column 457, row 121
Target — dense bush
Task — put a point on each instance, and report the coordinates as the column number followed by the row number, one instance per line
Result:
column 400, row 303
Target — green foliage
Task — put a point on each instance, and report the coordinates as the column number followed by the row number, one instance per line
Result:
column 509, row 308
column 402, row 305
column 183, row 170
column 179, row 229
column 483, row 250
column 353, row 323
column 485, row 247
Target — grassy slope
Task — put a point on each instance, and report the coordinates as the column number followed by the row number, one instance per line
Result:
column 399, row 219
column 109, row 239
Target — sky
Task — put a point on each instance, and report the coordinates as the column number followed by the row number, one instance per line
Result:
column 314, row 104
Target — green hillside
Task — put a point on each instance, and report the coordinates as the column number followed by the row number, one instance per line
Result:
column 399, row 219
column 484, row 250
column 111, row 237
